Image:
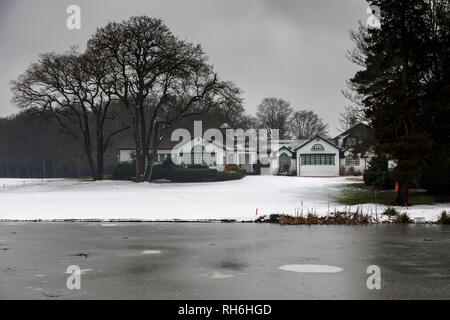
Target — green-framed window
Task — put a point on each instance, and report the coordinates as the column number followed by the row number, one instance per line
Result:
column 352, row 160
column 317, row 147
column 318, row 159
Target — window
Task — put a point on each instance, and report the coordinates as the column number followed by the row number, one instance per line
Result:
column 197, row 154
column 351, row 160
column 317, row 147
column 200, row 156
column 318, row 159
column 284, row 159
column 349, row 141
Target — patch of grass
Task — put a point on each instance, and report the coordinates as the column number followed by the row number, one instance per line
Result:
column 84, row 179
column 353, row 194
column 335, row 218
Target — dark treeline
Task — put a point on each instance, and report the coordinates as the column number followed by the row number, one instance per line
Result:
column 33, row 147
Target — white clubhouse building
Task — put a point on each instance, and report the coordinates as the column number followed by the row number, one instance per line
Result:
column 316, row 157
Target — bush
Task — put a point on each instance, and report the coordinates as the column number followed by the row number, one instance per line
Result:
column 158, row 172
column 444, row 219
column 203, row 175
column 193, row 175
column 274, row 218
column 283, row 170
column 390, row 212
column 124, row 171
column 197, row 166
column 228, row 175
column 402, row 218
column 235, row 168
column 162, row 171
column 378, row 174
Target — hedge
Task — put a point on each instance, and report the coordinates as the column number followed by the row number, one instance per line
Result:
column 228, row 175
column 124, row 171
column 193, row 175
column 127, row 171
column 235, row 168
column 203, row 175
column 198, row 166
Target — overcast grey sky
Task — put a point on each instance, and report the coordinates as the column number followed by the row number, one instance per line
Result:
column 292, row 49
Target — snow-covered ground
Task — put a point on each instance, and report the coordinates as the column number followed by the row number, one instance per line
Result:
column 30, row 199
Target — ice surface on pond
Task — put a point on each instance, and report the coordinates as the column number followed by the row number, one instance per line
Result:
column 218, row 275
column 311, row 268
column 151, row 252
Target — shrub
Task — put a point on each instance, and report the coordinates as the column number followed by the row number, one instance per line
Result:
column 274, row 218
column 402, row 218
column 158, row 172
column 193, row 175
column 228, row 175
column 390, row 212
column 124, row 171
column 197, row 166
column 378, row 174
column 235, row 168
column 162, row 171
column 283, row 170
column 444, row 219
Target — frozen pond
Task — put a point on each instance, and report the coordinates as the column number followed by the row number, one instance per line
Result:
column 223, row 261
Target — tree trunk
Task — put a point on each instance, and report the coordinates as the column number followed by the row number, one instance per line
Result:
column 140, row 164
column 44, row 171
column 100, row 156
column 402, row 194
column 140, row 158
column 151, row 161
column 100, row 166
column 55, row 174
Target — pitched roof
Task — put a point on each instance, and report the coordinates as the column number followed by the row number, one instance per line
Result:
column 357, row 129
column 329, row 141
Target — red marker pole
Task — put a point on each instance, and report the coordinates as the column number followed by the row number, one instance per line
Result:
column 256, row 211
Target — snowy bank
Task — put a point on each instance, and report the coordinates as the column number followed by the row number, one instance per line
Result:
column 32, row 199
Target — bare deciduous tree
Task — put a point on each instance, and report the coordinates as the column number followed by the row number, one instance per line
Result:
column 351, row 116
column 159, row 79
column 275, row 113
column 306, row 124
column 71, row 89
